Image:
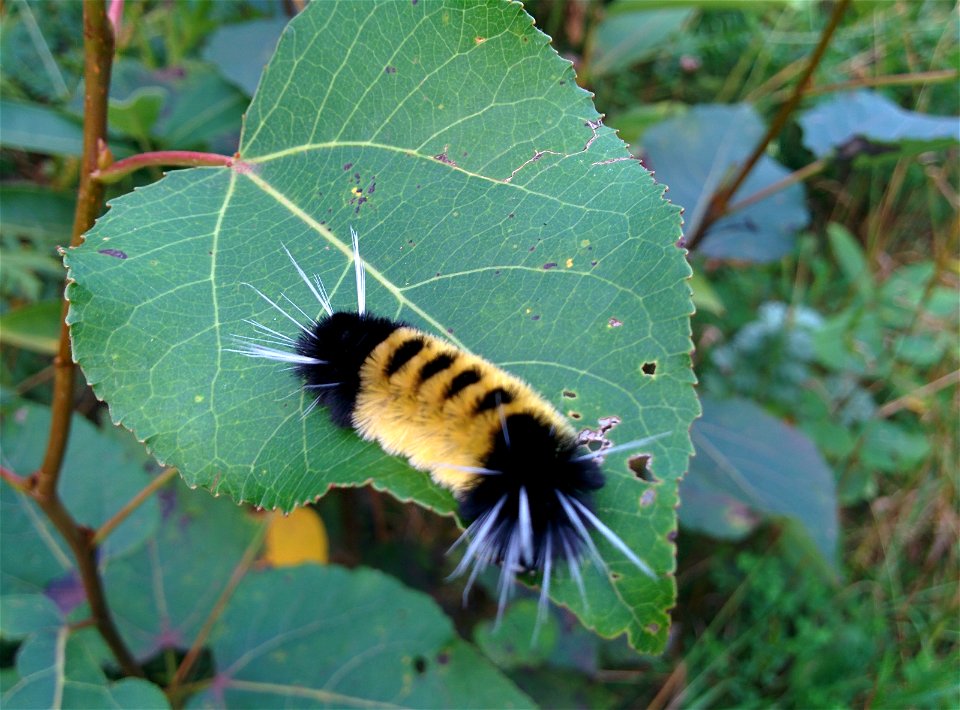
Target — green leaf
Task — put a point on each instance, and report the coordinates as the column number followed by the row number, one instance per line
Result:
column 241, row 51
column 43, row 216
column 850, row 258
column 41, row 48
column 200, row 108
column 135, row 115
column 750, row 463
column 511, row 643
column 694, row 154
column 22, row 614
column 62, row 668
column 57, row 666
column 35, row 327
column 627, row 36
column 191, row 557
column 38, row 129
column 20, row 271
column 33, row 552
column 835, row 122
column 325, row 636
column 634, row 121
column 493, row 210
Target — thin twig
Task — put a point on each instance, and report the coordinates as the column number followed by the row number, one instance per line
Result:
column 98, row 60
column 895, row 405
column 162, row 158
column 923, row 77
column 720, row 200
column 796, row 176
column 134, row 503
column 18, row 482
column 218, row 608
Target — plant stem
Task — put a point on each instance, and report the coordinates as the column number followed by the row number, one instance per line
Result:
column 134, row 503
column 243, row 566
column 98, row 59
column 922, row 77
column 720, row 200
column 171, row 158
column 796, row 176
column 18, row 482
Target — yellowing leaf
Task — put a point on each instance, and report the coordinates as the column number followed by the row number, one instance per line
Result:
column 296, row 538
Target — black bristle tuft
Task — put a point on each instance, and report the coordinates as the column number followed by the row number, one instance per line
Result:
column 530, row 458
column 343, row 341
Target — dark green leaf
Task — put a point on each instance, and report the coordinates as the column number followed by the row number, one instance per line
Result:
column 34, row 327
column 838, row 120
column 41, row 215
column 627, row 36
column 323, row 636
column 696, row 152
column 135, row 115
column 191, row 558
column 241, row 51
column 39, row 129
column 33, row 553
column 23, row 614
column 493, row 211
column 512, row 643
column 62, row 668
column 750, row 463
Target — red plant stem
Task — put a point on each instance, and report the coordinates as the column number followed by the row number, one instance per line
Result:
column 170, row 158
column 98, row 59
column 18, row 482
column 720, row 200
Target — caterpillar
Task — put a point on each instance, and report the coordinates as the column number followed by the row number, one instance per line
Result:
column 522, row 479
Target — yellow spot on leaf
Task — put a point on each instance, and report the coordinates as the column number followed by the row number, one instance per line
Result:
column 357, row 191
column 479, row 40
column 198, row 398
column 569, row 263
column 296, row 538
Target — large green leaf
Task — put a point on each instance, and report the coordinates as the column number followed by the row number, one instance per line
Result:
column 317, row 636
column 60, row 666
column 306, row 635
column 494, row 210
column 750, row 464
column 835, row 123
column 33, row 552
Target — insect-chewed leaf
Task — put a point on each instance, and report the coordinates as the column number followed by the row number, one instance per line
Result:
column 494, row 209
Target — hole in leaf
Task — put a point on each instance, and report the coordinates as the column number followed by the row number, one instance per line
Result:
column 648, row 368
column 640, row 465
column 575, row 415
column 420, row 665
column 569, row 395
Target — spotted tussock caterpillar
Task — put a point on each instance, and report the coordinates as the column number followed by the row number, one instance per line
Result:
column 523, row 480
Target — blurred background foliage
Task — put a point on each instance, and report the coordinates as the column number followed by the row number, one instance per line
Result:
column 819, row 522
